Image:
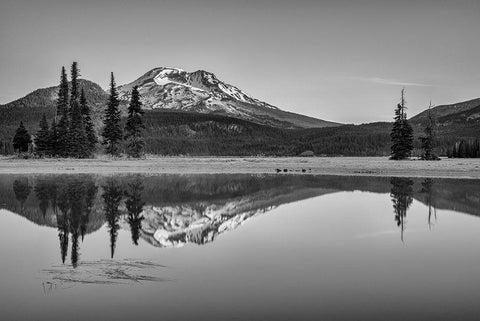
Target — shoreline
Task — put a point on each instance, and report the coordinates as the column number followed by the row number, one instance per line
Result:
column 346, row 166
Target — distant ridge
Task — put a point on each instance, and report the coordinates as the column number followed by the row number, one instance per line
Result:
column 440, row 112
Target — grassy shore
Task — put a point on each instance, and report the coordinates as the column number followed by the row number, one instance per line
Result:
column 365, row 166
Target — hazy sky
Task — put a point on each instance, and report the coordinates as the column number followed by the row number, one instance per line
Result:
column 337, row 60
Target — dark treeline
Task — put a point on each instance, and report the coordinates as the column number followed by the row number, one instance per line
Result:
column 465, row 149
column 174, row 133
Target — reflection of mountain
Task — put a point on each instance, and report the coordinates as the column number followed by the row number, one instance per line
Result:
column 196, row 209
column 171, row 210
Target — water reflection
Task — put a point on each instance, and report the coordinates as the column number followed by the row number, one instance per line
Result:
column 134, row 205
column 112, row 196
column 173, row 210
column 427, row 189
column 22, row 189
column 402, row 197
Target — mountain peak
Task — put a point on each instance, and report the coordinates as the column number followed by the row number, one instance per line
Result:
column 201, row 91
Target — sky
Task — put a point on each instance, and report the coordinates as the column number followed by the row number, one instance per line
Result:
column 344, row 61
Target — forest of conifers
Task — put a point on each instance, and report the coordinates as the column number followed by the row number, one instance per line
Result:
column 179, row 133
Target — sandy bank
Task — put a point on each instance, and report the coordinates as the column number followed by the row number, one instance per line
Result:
column 365, row 166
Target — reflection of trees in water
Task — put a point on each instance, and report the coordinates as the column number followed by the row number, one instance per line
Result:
column 112, row 196
column 90, row 195
column 427, row 189
column 76, row 195
column 402, row 196
column 134, row 205
column 22, row 189
column 42, row 192
column 71, row 200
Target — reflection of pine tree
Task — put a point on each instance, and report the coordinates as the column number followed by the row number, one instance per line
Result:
column 112, row 196
column 76, row 194
column 42, row 193
column 21, row 190
column 427, row 188
column 402, row 196
column 62, row 222
column 134, row 207
column 91, row 192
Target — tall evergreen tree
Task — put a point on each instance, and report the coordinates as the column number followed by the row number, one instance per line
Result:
column 428, row 140
column 74, row 74
column 91, row 136
column 22, row 139
column 77, row 139
column 112, row 132
column 402, row 133
column 135, row 126
column 62, row 100
column 62, row 116
column 42, row 140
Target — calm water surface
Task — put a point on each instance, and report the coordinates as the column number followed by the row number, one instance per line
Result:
column 240, row 247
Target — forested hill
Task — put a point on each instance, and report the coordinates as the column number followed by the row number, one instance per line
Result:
column 442, row 112
column 173, row 133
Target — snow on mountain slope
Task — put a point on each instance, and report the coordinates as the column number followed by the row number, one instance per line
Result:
column 203, row 92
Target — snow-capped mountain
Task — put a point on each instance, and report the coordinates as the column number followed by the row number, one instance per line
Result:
column 201, row 91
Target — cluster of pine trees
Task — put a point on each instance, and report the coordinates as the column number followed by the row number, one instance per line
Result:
column 465, row 149
column 71, row 133
column 401, row 135
column 113, row 134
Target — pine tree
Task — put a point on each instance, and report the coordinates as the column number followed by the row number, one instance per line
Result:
column 62, row 100
column 402, row 133
column 428, row 140
column 135, row 126
column 62, row 115
column 42, row 141
column 112, row 132
column 77, row 139
column 22, row 139
column 89, row 130
column 74, row 74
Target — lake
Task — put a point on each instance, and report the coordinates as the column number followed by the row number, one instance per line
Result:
column 239, row 247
